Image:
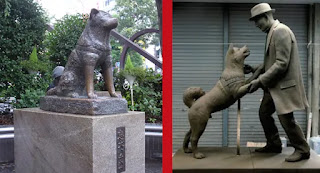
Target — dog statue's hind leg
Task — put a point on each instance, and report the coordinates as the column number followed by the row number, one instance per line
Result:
column 186, row 142
column 197, row 128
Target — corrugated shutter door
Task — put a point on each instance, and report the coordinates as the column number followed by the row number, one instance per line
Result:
column 197, row 61
column 243, row 32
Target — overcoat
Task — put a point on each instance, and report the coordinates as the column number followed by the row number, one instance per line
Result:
column 282, row 72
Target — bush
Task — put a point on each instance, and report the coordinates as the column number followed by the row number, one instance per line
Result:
column 147, row 94
column 30, row 98
column 34, row 64
column 22, row 27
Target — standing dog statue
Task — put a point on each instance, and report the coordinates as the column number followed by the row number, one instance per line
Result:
column 93, row 49
column 231, row 87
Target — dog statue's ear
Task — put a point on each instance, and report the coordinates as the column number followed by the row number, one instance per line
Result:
column 93, row 12
column 230, row 47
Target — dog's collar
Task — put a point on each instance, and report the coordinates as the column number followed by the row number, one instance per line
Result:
column 91, row 48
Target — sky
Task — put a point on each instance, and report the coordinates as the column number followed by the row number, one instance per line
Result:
column 58, row 8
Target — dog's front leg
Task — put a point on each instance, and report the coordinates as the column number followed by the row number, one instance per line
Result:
column 88, row 73
column 243, row 90
column 108, row 76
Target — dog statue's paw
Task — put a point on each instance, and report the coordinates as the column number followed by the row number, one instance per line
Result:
column 187, row 150
column 92, row 96
column 199, row 155
column 114, row 94
column 74, row 95
column 52, row 91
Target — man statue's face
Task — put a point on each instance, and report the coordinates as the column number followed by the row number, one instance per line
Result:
column 262, row 23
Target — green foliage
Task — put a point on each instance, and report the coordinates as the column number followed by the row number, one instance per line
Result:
column 134, row 16
column 22, row 26
column 147, row 94
column 129, row 69
column 33, row 57
column 63, row 38
column 17, row 81
column 7, row 8
column 116, row 50
column 129, row 65
column 34, row 64
column 136, row 58
column 30, row 98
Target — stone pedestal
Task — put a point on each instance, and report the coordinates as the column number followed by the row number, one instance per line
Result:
column 223, row 159
column 50, row 142
column 100, row 106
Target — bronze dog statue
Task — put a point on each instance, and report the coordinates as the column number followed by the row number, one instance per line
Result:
column 231, row 87
column 93, row 49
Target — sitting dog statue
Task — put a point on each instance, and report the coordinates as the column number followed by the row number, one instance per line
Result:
column 231, row 87
column 92, row 50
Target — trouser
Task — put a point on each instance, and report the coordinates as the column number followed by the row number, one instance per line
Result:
column 290, row 126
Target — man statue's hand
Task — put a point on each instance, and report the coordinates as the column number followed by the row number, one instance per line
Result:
column 247, row 69
column 254, row 85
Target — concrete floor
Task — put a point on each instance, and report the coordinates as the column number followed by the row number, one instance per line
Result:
column 152, row 166
column 7, row 167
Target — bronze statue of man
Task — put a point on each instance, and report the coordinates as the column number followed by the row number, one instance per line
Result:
column 282, row 83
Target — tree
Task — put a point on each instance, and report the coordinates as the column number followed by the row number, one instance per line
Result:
column 134, row 16
column 63, row 38
column 22, row 26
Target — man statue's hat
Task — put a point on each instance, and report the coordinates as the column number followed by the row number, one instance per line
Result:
column 260, row 9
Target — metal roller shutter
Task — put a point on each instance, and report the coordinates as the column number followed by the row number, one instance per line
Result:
column 197, row 61
column 241, row 32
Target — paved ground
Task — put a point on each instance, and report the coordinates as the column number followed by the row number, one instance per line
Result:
column 6, row 167
column 152, row 166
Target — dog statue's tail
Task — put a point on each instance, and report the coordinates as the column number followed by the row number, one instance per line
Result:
column 191, row 94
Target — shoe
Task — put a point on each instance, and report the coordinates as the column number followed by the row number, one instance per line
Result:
column 269, row 149
column 296, row 156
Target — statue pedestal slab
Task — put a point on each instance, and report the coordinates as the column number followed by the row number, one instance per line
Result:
column 50, row 142
column 223, row 159
column 101, row 106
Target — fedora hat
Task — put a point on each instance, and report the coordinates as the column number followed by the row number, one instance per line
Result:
column 260, row 9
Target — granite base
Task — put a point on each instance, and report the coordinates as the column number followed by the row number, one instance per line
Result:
column 49, row 142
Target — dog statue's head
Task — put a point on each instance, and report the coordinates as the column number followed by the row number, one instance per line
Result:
column 236, row 56
column 98, row 17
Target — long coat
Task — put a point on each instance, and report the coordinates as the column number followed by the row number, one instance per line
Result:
column 282, row 72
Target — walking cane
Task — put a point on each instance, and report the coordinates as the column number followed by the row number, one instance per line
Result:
column 238, row 129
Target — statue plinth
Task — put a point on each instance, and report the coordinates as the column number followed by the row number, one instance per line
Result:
column 48, row 142
column 225, row 159
column 103, row 105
